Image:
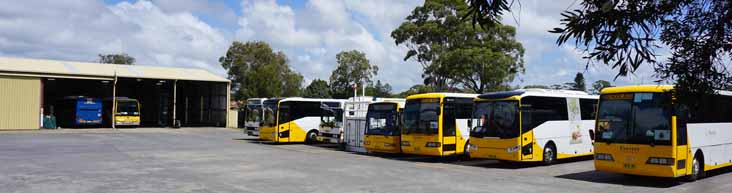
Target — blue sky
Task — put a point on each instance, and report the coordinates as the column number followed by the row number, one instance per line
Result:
column 195, row 33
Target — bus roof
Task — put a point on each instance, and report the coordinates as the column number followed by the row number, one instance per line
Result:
column 312, row 100
column 637, row 88
column 536, row 92
column 441, row 95
column 399, row 103
column 650, row 88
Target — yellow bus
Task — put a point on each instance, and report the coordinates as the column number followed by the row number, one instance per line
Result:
column 533, row 125
column 126, row 114
column 436, row 124
column 298, row 119
column 383, row 120
column 642, row 130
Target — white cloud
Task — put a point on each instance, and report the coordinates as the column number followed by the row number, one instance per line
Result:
column 79, row 30
column 313, row 35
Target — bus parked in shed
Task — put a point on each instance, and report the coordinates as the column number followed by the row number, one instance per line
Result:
column 298, row 120
column 253, row 115
column 127, row 112
column 643, row 130
column 436, row 124
column 533, row 125
column 383, row 123
column 79, row 111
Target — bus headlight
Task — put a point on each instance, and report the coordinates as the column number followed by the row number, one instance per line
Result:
column 512, row 149
column 366, row 142
column 405, row 143
column 660, row 161
column 388, row 145
column 603, row 156
column 432, row 144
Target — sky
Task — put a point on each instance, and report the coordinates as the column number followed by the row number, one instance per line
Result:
column 195, row 33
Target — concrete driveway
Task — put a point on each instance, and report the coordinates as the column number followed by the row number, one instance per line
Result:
column 224, row 160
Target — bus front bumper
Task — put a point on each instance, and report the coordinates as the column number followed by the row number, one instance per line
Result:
column 382, row 144
column 329, row 137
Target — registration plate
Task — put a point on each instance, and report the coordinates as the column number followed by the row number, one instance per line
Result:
column 629, row 166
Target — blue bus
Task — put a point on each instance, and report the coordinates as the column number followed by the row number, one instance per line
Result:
column 79, row 111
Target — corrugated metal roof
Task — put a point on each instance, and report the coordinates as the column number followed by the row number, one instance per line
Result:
column 55, row 67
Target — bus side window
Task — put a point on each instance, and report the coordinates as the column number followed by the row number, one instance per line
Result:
column 588, row 107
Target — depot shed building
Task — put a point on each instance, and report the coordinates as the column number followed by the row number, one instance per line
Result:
column 31, row 87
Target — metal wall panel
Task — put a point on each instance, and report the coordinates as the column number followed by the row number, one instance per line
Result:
column 20, row 99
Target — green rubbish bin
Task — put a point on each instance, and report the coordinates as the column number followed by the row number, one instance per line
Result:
column 49, row 122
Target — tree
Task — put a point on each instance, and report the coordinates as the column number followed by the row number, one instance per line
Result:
column 599, row 85
column 578, row 84
column 353, row 69
column 453, row 53
column 317, row 89
column 116, row 59
column 379, row 90
column 416, row 89
column 255, row 70
column 626, row 35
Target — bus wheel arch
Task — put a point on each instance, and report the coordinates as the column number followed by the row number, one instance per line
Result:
column 311, row 136
column 697, row 166
column 549, row 149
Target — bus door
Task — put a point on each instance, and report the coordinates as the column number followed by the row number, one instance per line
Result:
column 283, row 129
column 449, row 125
column 526, row 138
column 683, row 156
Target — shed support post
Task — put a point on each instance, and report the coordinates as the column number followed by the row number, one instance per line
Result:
column 114, row 102
column 175, row 101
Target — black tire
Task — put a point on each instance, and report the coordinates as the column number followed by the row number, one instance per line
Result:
column 311, row 137
column 466, row 153
column 697, row 169
column 550, row 150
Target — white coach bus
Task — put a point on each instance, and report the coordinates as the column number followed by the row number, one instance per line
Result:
column 299, row 119
column 533, row 125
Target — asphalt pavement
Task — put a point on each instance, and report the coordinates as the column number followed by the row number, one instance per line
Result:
column 224, row 160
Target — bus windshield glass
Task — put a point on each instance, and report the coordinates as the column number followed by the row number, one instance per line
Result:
column 270, row 112
column 381, row 119
column 421, row 116
column 635, row 118
column 496, row 119
column 332, row 115
column 254, row 113
column 127, row 108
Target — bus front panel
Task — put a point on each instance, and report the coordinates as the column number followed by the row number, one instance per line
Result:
column 382, row 128
column 497, row 134
column 422, row 127
column 634, row 135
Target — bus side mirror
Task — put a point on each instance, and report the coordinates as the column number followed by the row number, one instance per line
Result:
column 470, row 123
column 592, row 135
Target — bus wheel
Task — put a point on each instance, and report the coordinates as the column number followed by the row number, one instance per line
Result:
column 696, row 169
column 550, row 154
column 466, row 153
column 312, row 137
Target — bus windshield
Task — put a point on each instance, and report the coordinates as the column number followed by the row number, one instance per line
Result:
column 254, row 113
column 496, row 119
column 421, row 116
column 127, row 108
column 270, row 113
column 635, row 118
column 381, row 119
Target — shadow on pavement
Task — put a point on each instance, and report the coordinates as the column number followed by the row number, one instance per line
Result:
column 621, row 179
